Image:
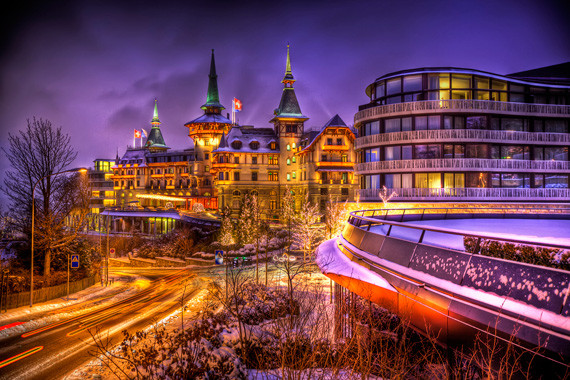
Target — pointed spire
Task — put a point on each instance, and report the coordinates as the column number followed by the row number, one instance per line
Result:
column 117, row 157
column 223, row 143
column 288, row 78
column 213, row 97
column 155, row 114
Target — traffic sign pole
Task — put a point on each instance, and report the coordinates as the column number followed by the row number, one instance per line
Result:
column 68, row 257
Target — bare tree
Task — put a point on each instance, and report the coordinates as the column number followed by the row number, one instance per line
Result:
column 307, row 232
column 35, row 154
column 336, row 214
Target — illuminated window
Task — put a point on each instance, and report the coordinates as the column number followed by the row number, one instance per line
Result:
column 288, row 177
column 294, row 146
column 288, row 147
column 294, row 175
column 294, row 159
column 288, row 161
column 273, row 145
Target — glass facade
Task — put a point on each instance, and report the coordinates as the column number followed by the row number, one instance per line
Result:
column 438, row 145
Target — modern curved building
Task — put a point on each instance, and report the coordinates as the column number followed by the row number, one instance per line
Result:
column 453, row 134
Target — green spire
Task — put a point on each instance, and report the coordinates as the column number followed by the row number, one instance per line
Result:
column 155, row 114
column 288, row 78
column 213, row 97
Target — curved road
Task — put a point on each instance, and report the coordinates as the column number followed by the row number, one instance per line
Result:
column 54, row 350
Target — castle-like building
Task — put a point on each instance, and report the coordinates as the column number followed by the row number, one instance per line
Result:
column 229, row 161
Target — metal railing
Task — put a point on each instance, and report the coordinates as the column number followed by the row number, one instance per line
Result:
column 470, row 193
column 462, row 135
column 469, row 164
column 365, row 219
column 456, row 105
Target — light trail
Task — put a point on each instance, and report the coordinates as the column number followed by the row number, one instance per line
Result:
column 20, row 356
column 10, row 325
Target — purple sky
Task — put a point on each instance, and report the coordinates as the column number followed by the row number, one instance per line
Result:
column 95, row 67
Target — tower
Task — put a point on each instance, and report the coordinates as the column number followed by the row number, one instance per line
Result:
column 288, row 124
column 155, row 141
column 206, row 132
column 288, row 120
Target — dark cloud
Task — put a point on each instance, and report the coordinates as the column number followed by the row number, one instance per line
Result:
column 95, row 67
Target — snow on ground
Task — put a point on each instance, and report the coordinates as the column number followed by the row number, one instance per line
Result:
column 319, row 373
column 330, row 260
column 313, row 282
column 81, row 302
column 545, row 231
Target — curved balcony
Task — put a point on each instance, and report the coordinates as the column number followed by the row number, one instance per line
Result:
column 462, row 106
column 461, row 136
column 463, row 164
column 470, row 193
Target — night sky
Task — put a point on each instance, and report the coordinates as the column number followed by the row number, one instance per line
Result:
column 94, row 67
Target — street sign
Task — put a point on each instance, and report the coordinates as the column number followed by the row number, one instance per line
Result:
column 75, row 261
column 112, row 251
column 219, row 258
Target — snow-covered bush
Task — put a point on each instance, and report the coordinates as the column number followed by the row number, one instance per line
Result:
column 198, row 207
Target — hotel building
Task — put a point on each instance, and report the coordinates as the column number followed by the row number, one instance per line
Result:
column 452, row 134
column 228, row 161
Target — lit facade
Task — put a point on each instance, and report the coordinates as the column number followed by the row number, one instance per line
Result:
column 456, row 134
column 228, row 161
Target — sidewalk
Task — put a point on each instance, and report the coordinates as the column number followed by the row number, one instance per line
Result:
column 24, row 318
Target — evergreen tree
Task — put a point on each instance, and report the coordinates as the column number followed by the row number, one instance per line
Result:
column 226, row 232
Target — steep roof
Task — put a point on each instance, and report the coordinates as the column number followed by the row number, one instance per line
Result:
column 213, row 97
column 312, row 136
column 155, row 139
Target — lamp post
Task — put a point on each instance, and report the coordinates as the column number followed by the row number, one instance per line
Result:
column 82, row 170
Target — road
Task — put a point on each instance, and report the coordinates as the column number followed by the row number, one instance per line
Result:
column 54, row 350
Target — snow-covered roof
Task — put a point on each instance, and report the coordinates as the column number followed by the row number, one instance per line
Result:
column 247, row 135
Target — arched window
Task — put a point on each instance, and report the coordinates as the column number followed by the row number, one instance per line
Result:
column 288, row 161
column 236, row 193
column 288, row 147
column 294, row 146
column 254, row 145
column 294, row 159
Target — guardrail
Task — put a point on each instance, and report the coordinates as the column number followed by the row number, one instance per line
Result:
column 470, row 164
column 398, row 217
column 470, row 193
column 462, row 135
column 458, row 106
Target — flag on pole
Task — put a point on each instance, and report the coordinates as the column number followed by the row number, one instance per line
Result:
column 144, row 135
column 237, row 105
column 137, row 134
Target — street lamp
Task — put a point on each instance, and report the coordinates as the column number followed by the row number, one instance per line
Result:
column 81, row 170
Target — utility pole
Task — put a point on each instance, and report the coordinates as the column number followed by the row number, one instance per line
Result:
column 107, row 254
column 68, row 258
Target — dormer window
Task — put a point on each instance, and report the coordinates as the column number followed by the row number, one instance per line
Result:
column 273, row 145
column 236, row 144
column 254, row 145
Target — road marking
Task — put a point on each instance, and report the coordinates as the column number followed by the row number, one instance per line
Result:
column 20, row 356
column 10, row 325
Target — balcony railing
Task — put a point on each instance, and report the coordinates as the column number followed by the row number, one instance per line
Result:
column 455, row 105
column 462, row 135
column 469, row 193
column 466, row 164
